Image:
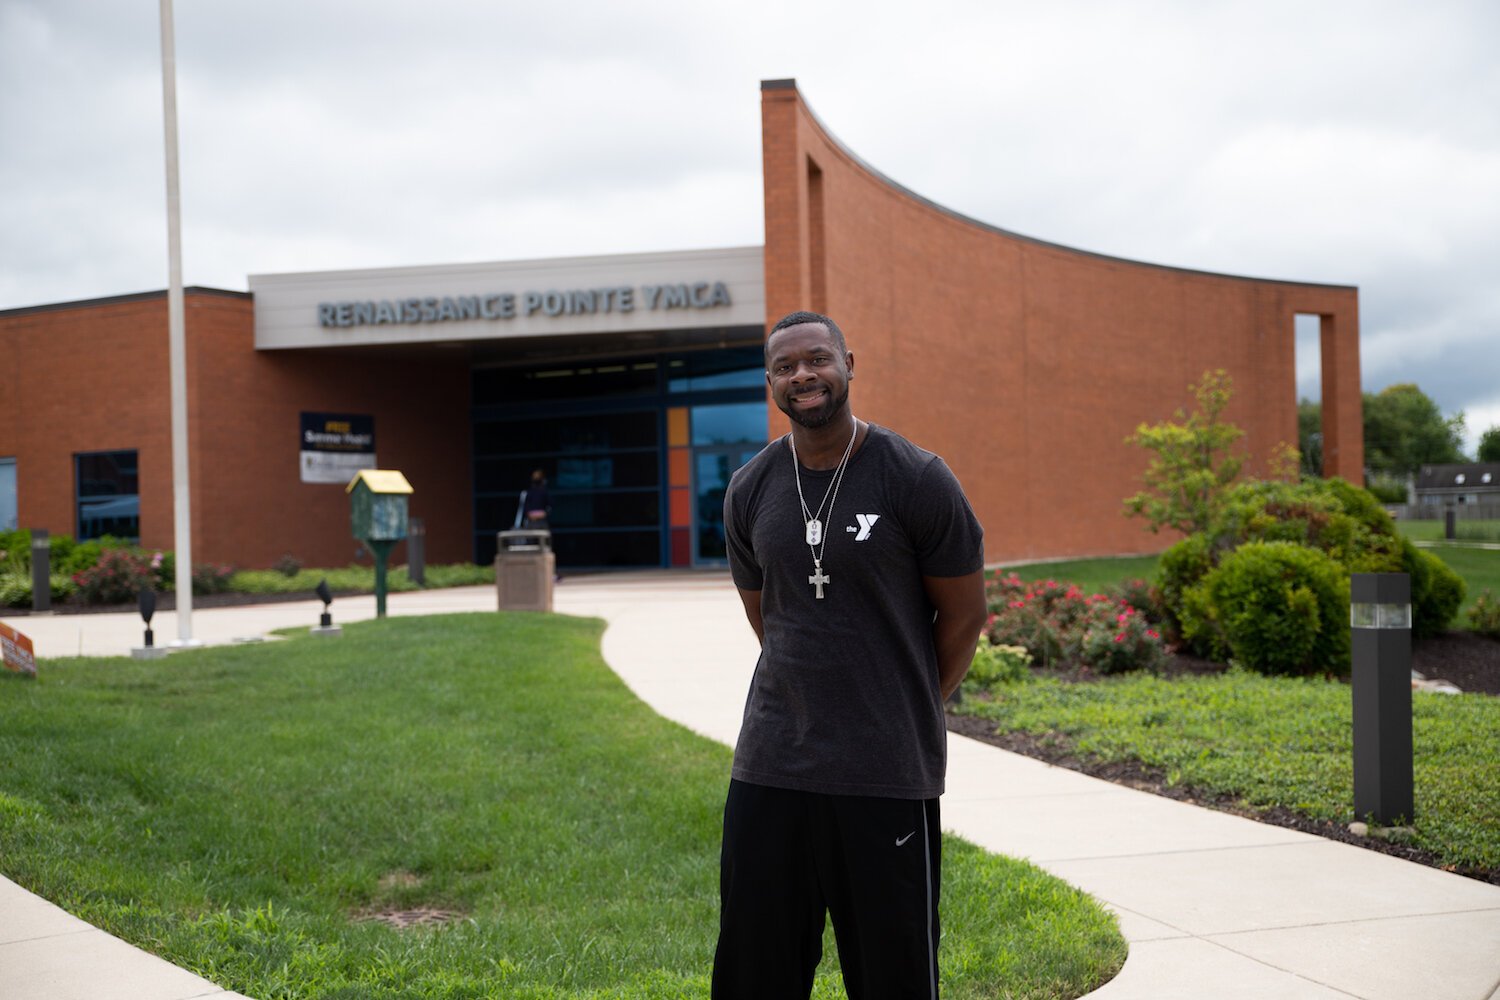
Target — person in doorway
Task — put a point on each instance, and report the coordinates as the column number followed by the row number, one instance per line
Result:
column 535, row 505
column 860, row 565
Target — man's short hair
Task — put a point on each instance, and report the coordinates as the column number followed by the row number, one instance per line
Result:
column 803, row 316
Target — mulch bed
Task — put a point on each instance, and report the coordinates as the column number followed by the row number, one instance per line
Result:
column 1469, row 661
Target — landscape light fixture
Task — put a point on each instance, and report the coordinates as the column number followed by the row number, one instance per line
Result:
column 1380, row 648
column 326, row 596
column 146, row 601
column 325, row 624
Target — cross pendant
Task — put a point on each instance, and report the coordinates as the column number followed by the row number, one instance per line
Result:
column 818, row 578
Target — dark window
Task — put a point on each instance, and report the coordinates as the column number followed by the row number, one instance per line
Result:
column 109, row 501
column 735, row 368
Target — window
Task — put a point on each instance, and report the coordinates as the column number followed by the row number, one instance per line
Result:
column 8, row 494
column 109, row 501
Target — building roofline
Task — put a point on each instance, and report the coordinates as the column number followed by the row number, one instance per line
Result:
column 110, row 300
column 791, row 84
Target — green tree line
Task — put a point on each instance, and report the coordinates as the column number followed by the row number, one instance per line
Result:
column 1404, row 430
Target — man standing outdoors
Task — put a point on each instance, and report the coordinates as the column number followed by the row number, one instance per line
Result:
column 860, row 565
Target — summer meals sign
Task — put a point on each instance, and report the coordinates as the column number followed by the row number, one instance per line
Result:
column 16, row 652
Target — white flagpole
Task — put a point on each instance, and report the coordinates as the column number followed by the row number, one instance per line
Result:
column 181, row 495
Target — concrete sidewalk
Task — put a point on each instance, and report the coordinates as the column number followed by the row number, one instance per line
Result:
column 1213, row 905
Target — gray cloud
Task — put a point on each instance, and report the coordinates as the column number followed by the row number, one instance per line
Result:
column 1343, row 142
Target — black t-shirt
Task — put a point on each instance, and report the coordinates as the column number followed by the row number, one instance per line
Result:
column 845, row 697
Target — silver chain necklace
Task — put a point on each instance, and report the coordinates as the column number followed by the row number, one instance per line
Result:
column 817, row 542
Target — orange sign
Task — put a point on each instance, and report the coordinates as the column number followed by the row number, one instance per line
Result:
column 15, row 651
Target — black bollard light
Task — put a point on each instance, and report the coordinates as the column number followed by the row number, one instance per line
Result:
column 326, row 596
column 147, row 603
column 325, row 624
column 41, row 571
column 1380, row 648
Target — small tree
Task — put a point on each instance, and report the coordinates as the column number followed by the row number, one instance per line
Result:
column 1489, row 445
column 1191, row 463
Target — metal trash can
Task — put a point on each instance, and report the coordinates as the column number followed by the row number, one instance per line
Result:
column 524, row 569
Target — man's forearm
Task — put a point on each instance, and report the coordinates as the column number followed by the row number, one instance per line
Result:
column 954, row 638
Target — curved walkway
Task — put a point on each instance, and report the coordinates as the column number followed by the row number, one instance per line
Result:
column 1213, row 905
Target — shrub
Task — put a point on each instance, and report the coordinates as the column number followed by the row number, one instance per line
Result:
column 117, row 578
column 998, row 664
column 1387, row 491
column 1436, row 591
column 287, row 565
column 15, row 590
column 211, row 579
column 1281, row 608
column 1056, row 623
column 1117, row 638
column 1181, row 568
column 1144, row 596
column 1484, row 616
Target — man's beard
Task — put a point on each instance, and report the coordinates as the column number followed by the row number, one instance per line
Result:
column 821, row 417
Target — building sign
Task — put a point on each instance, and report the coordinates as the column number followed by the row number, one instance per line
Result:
column 509, row 305
column 657, row 295
column 336, row 446
column 16, row 651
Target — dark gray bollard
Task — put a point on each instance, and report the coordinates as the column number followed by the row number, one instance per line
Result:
column 1380, row 645
column 41, row 570
column 1450, row 524
column 416, row 551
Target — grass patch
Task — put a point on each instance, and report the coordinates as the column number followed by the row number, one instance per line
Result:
column 1463, row 530
column 1094, row 576
column 356, row 578
column 1480, row 569
column 1275, row 742
column 236, row 809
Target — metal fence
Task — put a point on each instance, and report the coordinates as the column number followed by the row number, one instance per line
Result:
column 1436, row 511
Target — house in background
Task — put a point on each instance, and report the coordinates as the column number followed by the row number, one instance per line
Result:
column 1474, row 489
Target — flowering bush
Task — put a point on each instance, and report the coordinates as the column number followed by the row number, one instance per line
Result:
column 116, row 578
column 1060, row 625
column 998, row 664
column 1118, row 638
column 211, row 579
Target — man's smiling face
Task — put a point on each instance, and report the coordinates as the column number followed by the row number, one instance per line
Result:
column 808, row 373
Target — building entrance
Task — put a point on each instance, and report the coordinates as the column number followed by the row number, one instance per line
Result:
column 637, row 452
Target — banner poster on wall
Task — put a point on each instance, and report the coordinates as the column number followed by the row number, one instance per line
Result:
column 16, row 651
column 335, row 446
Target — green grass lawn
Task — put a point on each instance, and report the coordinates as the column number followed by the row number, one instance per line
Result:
column 238, row 809
column 1275, row 742
column 1093, row 575
column 1434, row 531
column 1480, row 569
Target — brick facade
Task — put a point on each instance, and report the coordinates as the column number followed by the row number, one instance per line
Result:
column 1026, row 364
column 93, row 376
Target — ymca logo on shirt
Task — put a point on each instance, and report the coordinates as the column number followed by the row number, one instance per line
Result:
column 866, row 522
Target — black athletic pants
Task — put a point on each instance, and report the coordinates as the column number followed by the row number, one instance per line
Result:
column 872, row 863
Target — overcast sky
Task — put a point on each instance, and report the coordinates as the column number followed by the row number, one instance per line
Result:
column 1343, row 142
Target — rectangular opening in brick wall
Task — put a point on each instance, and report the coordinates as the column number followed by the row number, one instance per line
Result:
column 1309, row 360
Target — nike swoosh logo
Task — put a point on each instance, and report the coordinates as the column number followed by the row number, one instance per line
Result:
column 902, row 840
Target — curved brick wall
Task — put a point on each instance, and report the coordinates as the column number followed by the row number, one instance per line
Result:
column 1026, row 364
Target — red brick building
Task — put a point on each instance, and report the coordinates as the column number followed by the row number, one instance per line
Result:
column 634, row 381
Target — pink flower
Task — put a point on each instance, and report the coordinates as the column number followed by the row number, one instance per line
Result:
column 1120, row 637
column 1150, row 633
column 1123, row 617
